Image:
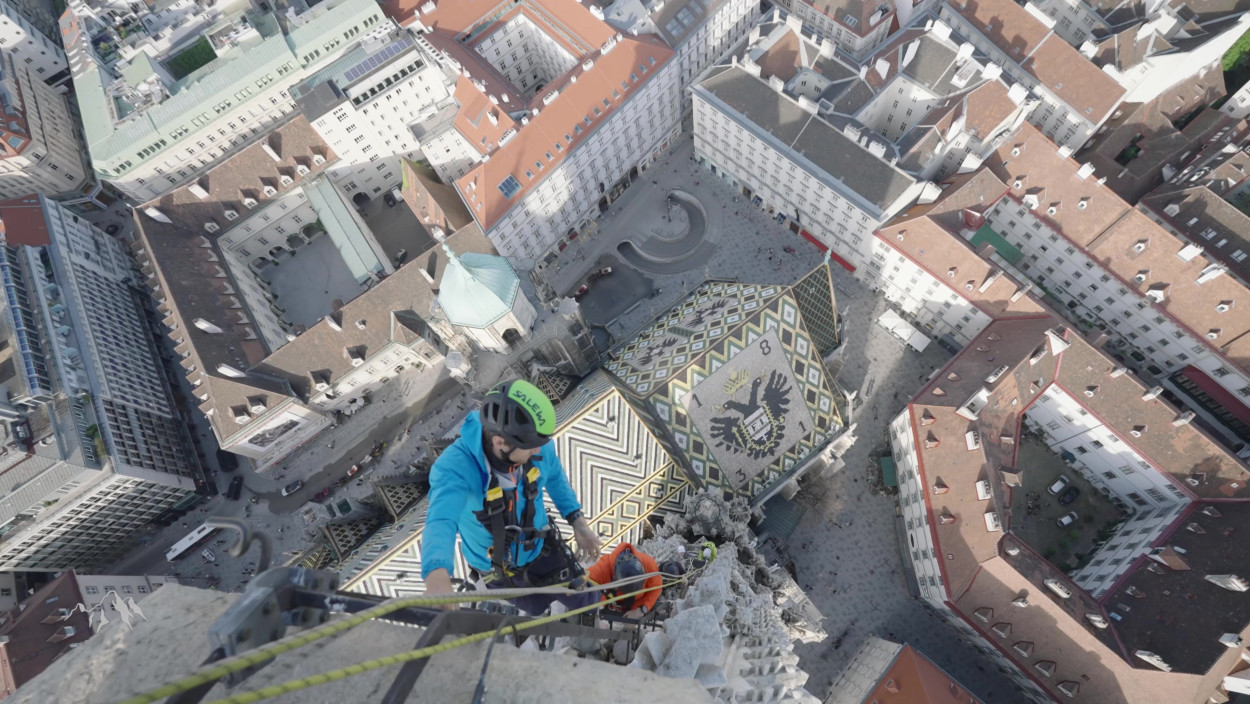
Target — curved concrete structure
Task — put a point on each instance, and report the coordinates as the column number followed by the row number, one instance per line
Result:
column 659, row 255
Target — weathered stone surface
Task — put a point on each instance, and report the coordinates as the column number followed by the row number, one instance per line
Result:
column 697, row 639
column 118, row 663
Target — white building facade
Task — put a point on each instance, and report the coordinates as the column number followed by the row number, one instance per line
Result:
column 366, row 108
column 107, row 451
column 1064, row 122
column 1098, row 297
column 188, row 127
column 838, row 207
column 31, row 48
column 42, row 151
column 637, row 131
column 844, row 24
column 1131, row 481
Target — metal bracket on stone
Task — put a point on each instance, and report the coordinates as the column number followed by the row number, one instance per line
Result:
column 267, row 608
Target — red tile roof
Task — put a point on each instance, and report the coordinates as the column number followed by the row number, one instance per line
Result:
column 613, row 78
column 22, row 222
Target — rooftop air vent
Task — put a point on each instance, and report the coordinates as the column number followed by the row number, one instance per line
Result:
column 1058, row 588
column 1152, row 394
column 992, row 523
column 1213, row 333
column 1140, row 245
column 1224, row 306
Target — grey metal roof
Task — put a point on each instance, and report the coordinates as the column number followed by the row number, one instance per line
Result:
column 816, row 141
column 318, row 100
column 933, row 66
column 193, row 96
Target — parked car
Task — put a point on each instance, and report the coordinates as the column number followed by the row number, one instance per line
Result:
column 292, row 487
column 209, row 555
column 236, row 489
column 389, row 200
column 397, row 194
column 1069, row 496
column 322, row 495
column 1067, row 519
column 1060, row 484
column 400, row 256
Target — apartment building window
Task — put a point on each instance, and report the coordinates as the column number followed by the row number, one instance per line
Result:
column 1137, row 499
column 1220, row 372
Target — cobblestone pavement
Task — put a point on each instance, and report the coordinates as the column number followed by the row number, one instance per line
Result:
column 846, row 548
column 749, row 244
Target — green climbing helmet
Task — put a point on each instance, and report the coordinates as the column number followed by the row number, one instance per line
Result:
column 520, row 413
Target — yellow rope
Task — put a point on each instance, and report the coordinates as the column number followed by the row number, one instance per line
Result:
column 263, row 654
column 428, row 651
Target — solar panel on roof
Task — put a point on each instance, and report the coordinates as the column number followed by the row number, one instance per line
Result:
column 386, row 54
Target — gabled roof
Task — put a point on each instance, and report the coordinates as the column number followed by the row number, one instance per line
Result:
column 1177, row 613
column 1044, row 54
column 30, row 644
column 812, row 139
column 189, row 264
column 586, row 98
column 389, row 311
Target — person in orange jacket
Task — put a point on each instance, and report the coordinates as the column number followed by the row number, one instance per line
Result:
column 622, row 563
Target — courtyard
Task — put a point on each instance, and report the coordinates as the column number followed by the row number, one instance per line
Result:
column 396, row 228
column 1034, row 511
column 308, row 281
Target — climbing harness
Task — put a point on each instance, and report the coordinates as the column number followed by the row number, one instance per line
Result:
column 499, row 509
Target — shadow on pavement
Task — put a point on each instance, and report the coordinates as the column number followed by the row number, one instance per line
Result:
column 613, row 294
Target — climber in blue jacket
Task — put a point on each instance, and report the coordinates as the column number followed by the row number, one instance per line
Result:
column 488, row 487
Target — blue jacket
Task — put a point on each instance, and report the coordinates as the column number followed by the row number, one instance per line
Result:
column 458, row 482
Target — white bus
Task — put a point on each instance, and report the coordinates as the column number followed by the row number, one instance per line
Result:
column 188, row 543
